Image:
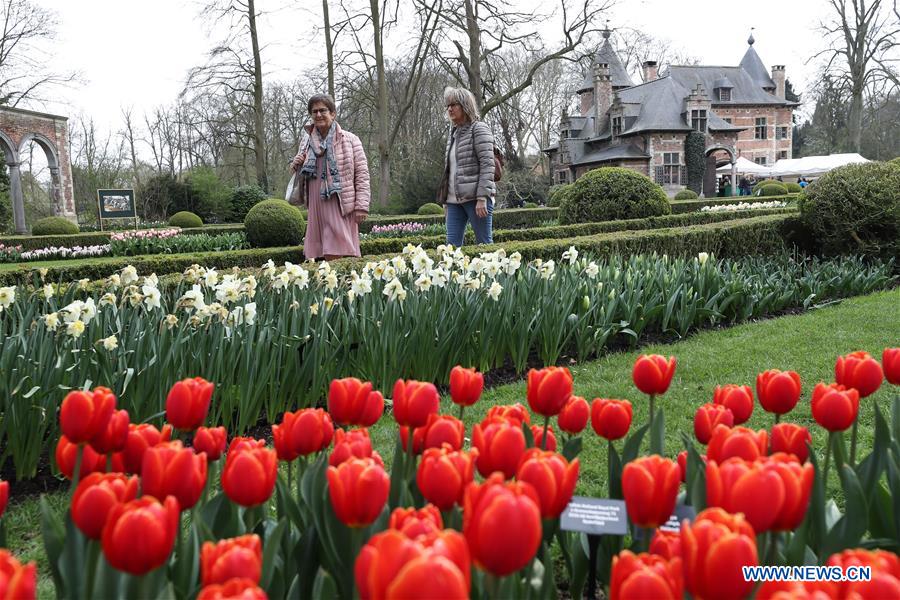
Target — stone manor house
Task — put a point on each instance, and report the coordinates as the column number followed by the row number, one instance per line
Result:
column 742, row 110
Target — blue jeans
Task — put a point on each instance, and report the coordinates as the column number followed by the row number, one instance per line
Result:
column 460, row 214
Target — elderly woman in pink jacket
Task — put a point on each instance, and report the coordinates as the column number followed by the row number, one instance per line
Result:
column 336, row 184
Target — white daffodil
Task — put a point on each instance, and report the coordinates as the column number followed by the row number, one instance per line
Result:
column 390, row 273
column 71, row 312
column 129, row 275
column 114, row 280
column 83, row 283
column 152, row 279
column 75, row 328
column 399, row 264
column 494, row 291
column 314, row 308
column 422, row 263
column 703, row 257
column 49, row 291
column 331, row 281
column 570, row 255
column 423, row 283
column 301, row 280
column 193, row 298
column 547, row 269
column 361, row 286
column 108, row 299
column 439, row 277
column 268, row 269
column 228, row 290
column 295, row 305
column 472, row 283
column 492, row 269
column 7, row 296
column 281, row 281
column 88, row 310
column 151, row 296
column 51, row 321
column 110, row 343
column 170, row 321
column 328, row 303
column 394, row 290
column 210, row 277
column 351, row 296
column 378, row 270
column 592, row 270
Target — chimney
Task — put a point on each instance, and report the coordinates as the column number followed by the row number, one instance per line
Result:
column 778, row 78
column 650, row 70
column 602, row 93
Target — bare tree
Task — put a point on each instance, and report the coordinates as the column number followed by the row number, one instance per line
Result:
column 862, row 37
column 635, row 47
column 24, row 57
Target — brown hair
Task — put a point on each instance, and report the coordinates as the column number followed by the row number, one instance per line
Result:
column 325, row 99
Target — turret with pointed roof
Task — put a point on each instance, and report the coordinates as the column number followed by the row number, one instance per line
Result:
column 617, row 73
column 755, row 67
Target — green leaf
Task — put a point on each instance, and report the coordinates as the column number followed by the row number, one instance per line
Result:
column 54, row 534
column 850, row 528
column 869, row 469
column 572, row 448
column 529, row 438
column 614, row 465
column 696, row 477
column 633, row 444
column 324, row 587
column 107, row 581
column 270, row 552
column 658, row 432
column 895, row 417
column 816, row 511
column 71, row 563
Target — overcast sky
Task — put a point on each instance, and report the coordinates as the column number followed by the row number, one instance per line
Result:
column 136, row 53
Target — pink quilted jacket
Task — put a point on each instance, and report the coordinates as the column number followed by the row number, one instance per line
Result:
column 354, row 168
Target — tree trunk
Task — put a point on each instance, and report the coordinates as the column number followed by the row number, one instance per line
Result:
column 258, row 130
column 329, row 49
column 474, row 53
column 856, row 117
column 384, row 156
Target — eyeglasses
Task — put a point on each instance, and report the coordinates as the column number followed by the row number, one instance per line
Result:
column 319, row 111
column 452, row 104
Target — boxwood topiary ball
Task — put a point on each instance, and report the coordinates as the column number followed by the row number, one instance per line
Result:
column 430, row 208
column 185, row 219
column 274, row 223
column 612, row 193
column 54, row 226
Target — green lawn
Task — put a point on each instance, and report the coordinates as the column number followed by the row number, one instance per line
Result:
column 807, row 343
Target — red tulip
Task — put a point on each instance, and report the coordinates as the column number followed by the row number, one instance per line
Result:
column 352, row 402
column 666, row 544
column 170, row 469
column 210, row 440
column 890, row 360
column 502, row 524
column 552, row 477
column 652, row 373
column 858, row 370
column 95, row 497
column 391, row 565
column 466, row 386
column 302, row 433
column 834, row 407
column 358, row 489
column 4, row 496
column 777, row 589
column 17, row 582
column 885, row 566
column 714, row 548
column 439, row 430
column 737, row 486
column 708, row 417
column 188, row 403
column 147, row 520
column 574, row 416
column 412, row 523
column 140, row 437
column 510, row 412
column 234, row 558
column 443, row 475
column 67, row 453
column 644, row 576
column 682, row 463
column 736, row 398
column 84, row 415
column 778, row 391
column 537, row 432
column 414, row 401
column 611, row 419
column 248, row 477
column 500, row 444
column 112, row 438
column 240, row 443
column 737, row 441
column 233, row 589
column 353, row 443
column 650, row 485
column 792, row 439
column 548, row 390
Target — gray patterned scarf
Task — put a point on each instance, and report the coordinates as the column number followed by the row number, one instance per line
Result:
column 331, row 176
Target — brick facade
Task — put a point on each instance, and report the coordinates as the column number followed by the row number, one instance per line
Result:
column 18, row 128
column 772, row 148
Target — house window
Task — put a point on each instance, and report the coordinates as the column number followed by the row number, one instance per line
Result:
column 782, row 133
column 782, row 154
column 727, row 120
column 725, row 94
column 760, row 130
column 671, row 168
column 760, row 160
column 698, row 120
column 562, row 177
column 616, row 126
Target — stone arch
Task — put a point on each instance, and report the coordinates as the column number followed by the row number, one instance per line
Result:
column 20, row 127
column 709, row 179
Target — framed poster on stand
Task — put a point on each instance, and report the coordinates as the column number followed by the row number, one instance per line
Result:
column 116, row 204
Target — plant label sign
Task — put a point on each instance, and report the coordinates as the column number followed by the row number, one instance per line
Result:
column 595, row 516
column 682, row 512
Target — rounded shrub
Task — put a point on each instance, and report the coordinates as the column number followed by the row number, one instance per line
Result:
column 557, row 193
column 793, row 188
column 274, row 223
column 54, row 226
column 430, row 208
column 530, row 205
column 612, row 193
column 686, row 195
column 185, row 219
column 773, row 189
column 243, row 198
column 855, row 209
column 759, row 184
column 895, row 161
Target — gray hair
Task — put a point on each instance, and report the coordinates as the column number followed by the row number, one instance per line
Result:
column 464, row 98
column 325, row 99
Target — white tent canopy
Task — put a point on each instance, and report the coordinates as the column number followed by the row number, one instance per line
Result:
column 745, row 167
column 813, row 166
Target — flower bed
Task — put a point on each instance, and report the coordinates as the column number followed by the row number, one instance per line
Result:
column 743, row 206
column 314, row 325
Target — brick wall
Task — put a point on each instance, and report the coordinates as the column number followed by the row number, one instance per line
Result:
column 747, row 145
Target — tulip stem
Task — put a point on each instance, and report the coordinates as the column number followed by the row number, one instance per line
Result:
column 773, row 548
column 76, row 474
column 827, row 459
column 853, row 441
column 544, row 438
column 777, row 418
column 461, row 409
column 290, row 474
column 492, row 583
column 109, row 462
column 652, row 411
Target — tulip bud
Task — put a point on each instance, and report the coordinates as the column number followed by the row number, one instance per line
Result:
column 738, row 441
column 114, row 436
column 84, row 415
column 95, row 497
column 736, row 398
column 235, row 558
column 549, row 389
column 500, row 444
column 147, row 519
column 210, row 440
column 574, row 415
column 650, row 485
column 248, row 477
column 17, row 582
column 302, row 433
column 242, row 589
column 714, row 548
column 170, row 469
column 359, row 490
column 443, row 475
column 412, row 523
column 510, row 412
column 188, row 403
column 414, row 401
column 834, row 407
column 890, row 360
column 466, row 385
column 652, row 373
column 666, row 544
column 352, row 402
column 552, row 477
column 778, row 391
column 792, row 439
column 611, row 419
column 860, row 371
column 708, row 417
column 639, row 576
column 352, row 443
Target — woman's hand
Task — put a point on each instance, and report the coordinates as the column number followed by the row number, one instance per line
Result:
column 481, row 207
column 360, row 216
column 298, row 161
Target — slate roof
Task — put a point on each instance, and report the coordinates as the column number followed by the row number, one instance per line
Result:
column 745, row 90
column 617, row 152
column 753, row 65
column 617, row 73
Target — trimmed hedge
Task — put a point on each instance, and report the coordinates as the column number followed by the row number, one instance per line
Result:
column 512, row 218
column 793, row 187
column 54, row 226
column 695, row 205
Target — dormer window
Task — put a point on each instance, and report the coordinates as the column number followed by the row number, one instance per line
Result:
column 698, row 120
column 616, row 126
column 725, row 94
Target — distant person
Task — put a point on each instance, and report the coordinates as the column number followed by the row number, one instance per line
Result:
column 744, row 187
column 336, row 184
column 803, row 183
column 467, row 187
